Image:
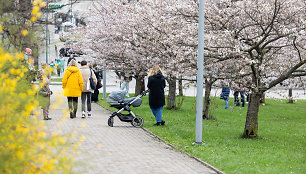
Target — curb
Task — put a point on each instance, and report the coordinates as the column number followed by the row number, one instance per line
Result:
column 175, row 148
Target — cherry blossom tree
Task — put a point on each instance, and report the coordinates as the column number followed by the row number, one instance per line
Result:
column 261, row 41
column 267, row 38
column 136, row 36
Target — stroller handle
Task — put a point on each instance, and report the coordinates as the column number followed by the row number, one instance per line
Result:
column 144, row 92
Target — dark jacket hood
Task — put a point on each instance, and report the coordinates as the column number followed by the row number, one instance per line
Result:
column 159, row 75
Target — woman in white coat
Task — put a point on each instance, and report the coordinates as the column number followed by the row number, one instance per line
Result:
column 86, row 94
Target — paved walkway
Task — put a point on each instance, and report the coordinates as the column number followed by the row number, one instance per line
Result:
column 121, row 149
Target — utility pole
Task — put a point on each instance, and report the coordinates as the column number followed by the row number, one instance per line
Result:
column 71, row 11
column 47, row 14
column 104, row 84
column 200, row 79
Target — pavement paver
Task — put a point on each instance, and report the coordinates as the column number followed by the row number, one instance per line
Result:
column 122, row 149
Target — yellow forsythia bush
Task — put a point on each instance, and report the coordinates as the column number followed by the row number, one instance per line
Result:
column 25, row 145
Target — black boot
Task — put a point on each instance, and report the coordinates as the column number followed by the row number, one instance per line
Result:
column 71, row 115
column 157, row 124
column 162, row 122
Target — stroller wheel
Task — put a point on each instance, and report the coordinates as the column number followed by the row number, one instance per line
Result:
column 137, row 122
column 110, row 121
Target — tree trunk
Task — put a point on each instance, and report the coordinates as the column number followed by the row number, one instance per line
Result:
column 290, row 96
column 251, row 123
column 171, row 95
column 207, row 100
column 262, row 99
column 180, row 87
column 140, row 84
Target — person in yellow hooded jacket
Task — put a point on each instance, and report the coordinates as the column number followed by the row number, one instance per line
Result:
column 72, row 84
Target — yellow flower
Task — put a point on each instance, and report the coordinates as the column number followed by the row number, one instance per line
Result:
column 83, row 124
column 35, row 10
column 0, row 27
column 33, row 19
column 24, row 32
column 82, row 138
column 38, row 14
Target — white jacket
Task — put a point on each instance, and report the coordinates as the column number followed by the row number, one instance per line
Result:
column 85, row 71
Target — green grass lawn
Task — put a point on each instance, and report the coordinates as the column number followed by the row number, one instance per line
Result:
column 279, row 148
column 56, row 79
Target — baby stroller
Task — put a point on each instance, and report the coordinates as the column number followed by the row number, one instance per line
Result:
column 116, row 100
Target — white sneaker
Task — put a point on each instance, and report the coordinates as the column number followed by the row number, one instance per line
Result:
column 83, row 114
column 89, row 114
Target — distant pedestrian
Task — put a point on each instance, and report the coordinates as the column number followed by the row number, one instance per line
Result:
column 126, row 83
column 62, row 63
column 86, row 94
column 44, row 94
column 236, row 98
column 72, row 84
column 99, row 76
column 58, row 67
column 225, row 96
column 156, row 84
column 70, row 58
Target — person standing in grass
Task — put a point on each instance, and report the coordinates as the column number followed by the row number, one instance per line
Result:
column 225, row 95
column 72, row 84
column 86, row 93
column 156, row 84
column 126, row 82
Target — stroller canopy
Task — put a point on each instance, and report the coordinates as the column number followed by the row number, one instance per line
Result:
column 116, row 97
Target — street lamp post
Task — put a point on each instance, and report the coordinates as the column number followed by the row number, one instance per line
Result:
column 47, row 14
column 200, row 79
column 104, row 84
column 71, row 11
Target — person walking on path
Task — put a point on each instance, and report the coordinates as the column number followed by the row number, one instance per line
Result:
column 72, row 84
column 69, row 59
column 86, row 94
column 156, row 84
column 44, row 94
column 99, row 76
column 126, row 83
column 225, row 95
column 62, row 63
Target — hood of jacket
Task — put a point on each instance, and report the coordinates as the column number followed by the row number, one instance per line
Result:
column 159, row 75
column 73, row 69
column 84, row 67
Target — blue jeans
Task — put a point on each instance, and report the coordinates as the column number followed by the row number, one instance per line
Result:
column 157, row 112
column 84, row 96
column 226, row 103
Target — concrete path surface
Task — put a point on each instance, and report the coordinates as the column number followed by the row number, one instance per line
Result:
column 121, row 149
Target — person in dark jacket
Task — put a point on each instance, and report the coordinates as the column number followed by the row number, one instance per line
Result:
column 225, row 95
column 99, row 76
column 156, row 84
column 70, row 58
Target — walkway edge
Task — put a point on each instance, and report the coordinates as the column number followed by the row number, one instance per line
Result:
column 174, row 147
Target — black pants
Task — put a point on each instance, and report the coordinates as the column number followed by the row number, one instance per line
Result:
column 95, row 96
column 73, row 104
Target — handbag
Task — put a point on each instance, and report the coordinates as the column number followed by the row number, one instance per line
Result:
column 88, row 87
column 99, row 84
column 92, row 82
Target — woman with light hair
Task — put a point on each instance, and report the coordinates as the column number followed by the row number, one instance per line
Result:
column 156, row 84
column 73, row 86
